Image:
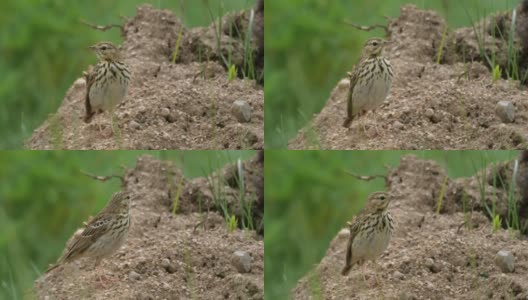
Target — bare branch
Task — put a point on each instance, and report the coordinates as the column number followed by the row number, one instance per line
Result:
column 365, row 178
column 104, row 178
column 367, row 28
column 101, row 28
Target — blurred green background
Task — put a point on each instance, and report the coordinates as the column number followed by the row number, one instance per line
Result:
column 43, row 50
column 309, row 199
column 44, row 198
column 309, row 49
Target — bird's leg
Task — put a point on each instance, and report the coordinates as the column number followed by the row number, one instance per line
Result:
column 377, row 269
column 103, row 280
column 362, row 114
column 113, row 121
column 96, row 269
column 375, row 126
column 363, row 273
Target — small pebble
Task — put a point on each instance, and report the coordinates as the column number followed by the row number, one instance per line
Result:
column 398, row 125
column 505, row 261
column 241, row 110
column 432, row 116
column 242, row 261
column 506, row 111
column 134, row 125
column 165, row 112
column 429, row 113
column 134, row 275
column 398, row 275
column 166, row 264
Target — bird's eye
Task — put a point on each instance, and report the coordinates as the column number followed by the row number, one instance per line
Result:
column 382, row 197
column 375, row 43
column 103, row 47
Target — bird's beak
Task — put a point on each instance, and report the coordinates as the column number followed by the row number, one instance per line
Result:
column 92, row 47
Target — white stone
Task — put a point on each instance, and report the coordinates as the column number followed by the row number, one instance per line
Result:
column 505, row 261
column 506, row 111
column 242, row 261
column 241, row 110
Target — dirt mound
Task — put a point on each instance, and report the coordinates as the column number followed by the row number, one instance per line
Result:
column 431, row 106
column 182, row 105
column 167, row 256
column 446, row 256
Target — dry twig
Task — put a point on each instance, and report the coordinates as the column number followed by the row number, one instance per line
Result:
column 101, row 28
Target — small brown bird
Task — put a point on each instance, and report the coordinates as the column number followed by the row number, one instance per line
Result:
column 107, row 83
column 103, row 234
column 370, row 80
column 370, row 232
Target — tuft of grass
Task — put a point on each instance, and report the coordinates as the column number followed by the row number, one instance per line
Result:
column 441, row 196
column 177, row 46
column 249, row 65
column 246, row 204
column 216, row 185
column 513, row 210
column 441, row 48
column 218, row 29
column 176, row 200
column 467, row 214
column 180, row 33
column 482, row 182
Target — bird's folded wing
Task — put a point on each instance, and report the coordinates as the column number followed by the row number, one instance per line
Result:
column 93, row 231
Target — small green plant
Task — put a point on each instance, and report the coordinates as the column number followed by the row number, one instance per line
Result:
column 232, row 223
column 232, row 72
column 497, row 73
column 496, row 223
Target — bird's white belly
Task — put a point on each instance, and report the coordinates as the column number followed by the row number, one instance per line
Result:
column 369, row 95
column 372, row 248
column 109, row 96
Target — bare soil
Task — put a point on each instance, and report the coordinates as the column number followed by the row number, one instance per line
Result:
column 198, row 246
column 430, row 256
column 181, row 105
column 450, row 105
